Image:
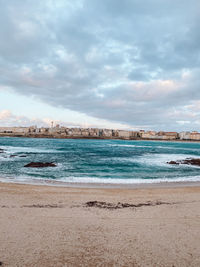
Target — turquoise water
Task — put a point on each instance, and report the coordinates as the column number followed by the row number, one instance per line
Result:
column 106, row 161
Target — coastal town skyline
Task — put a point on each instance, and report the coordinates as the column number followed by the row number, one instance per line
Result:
column 113, row 64
column 57, row 131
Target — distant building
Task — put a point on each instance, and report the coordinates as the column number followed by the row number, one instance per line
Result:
column 195, row 136
column 184, row 136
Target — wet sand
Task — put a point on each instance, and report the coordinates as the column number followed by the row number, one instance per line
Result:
column 55, row 226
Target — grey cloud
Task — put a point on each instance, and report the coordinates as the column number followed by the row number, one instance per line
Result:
column 105, row 58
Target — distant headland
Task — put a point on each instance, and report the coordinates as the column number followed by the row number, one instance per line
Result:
column 96, row 133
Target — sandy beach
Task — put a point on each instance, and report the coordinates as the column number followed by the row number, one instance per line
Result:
column 56, row 226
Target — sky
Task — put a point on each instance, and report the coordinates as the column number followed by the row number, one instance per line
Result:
column 131, row 64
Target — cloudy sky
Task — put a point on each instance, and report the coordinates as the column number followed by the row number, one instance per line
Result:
column 132, row 64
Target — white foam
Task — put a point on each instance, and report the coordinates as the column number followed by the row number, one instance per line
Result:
column 128, row 145
column 162, row 159
column 160, row 147
column 129, row 181
column 178, row 148
column 18, row 149
column 150, row 159
column 90, row 180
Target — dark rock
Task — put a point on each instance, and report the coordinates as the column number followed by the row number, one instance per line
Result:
column 188, row 161
column 13, row 156
column 195, row 162
column 1, row 150
column 22, row 156
column 173, row 162
column 40, row 164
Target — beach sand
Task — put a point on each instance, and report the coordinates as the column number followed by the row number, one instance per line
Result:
column 52, row 226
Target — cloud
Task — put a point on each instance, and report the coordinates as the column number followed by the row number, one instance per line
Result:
column 132, row 62
column 8, row 119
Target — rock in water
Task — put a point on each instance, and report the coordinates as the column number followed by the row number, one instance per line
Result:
column 40, row 165
column 173, row 162
column 188, row 161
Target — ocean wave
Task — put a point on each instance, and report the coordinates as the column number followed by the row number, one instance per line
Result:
column 128, row 181
column 158, row 147
column 161, row 159
column 29, row 150
column 119, row 145
column 179, row 148
column 149, row 159
column 90, row 180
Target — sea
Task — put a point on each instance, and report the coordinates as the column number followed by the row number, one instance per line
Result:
column 97, row 161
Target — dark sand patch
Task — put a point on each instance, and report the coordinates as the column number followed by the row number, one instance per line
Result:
column 119, row 205
column 42, row 206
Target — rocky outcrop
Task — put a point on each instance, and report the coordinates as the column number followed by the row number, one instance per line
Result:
column 188, row 161
column 40, row 165
column 1, row 150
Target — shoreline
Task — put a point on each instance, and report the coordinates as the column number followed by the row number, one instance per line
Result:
column 53, row 226
column 53, row 183
column 100, row 138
